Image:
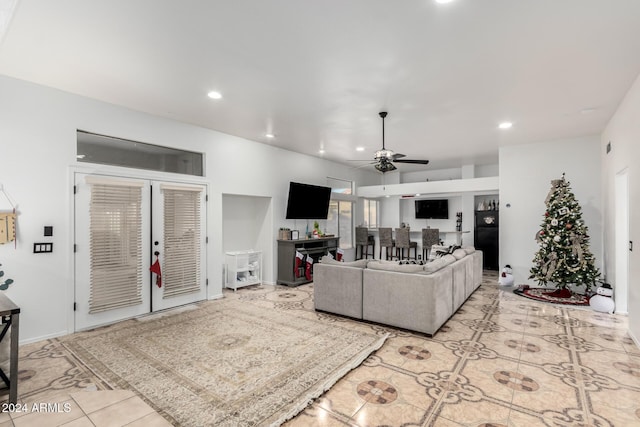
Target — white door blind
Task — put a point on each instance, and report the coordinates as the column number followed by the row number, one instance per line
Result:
column 181, row 267
column 116, row 245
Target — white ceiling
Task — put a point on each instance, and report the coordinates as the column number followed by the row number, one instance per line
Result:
column 316, row 73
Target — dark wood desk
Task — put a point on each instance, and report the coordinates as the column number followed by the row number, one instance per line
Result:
column 315, row 248
column 10, row 315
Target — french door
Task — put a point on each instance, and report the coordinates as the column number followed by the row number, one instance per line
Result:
column 122, row 227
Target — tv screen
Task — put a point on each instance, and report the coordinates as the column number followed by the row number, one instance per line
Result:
column 307, row 201
column 432, row 209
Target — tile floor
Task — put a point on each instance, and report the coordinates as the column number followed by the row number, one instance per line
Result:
column 501, row 360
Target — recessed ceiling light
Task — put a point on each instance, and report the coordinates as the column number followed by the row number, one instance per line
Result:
column 214, row 95
column 359, row 148
column 321, row 151
column 505, row 125
column 443, row 1
column 269, row 135
column 588, row 110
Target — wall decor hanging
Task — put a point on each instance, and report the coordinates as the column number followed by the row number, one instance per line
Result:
column 8, row 222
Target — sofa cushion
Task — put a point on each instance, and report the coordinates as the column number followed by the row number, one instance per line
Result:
column 361, row 263
column 435, row 265
column 449, row 259
column 404, row 268
column 469, row 249
column 459, row 253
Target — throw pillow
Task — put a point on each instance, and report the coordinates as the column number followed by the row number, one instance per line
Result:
column 459, row 253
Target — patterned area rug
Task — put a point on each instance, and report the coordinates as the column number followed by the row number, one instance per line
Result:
column 225, row 364
column 550, row 295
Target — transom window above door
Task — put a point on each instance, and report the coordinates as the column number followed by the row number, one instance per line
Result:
column 108, row 150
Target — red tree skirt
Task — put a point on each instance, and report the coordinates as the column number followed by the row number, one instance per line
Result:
column 559, row 296
column 560, row 293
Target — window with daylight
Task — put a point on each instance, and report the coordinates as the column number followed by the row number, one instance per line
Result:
column 371, row 209
column 181, row 268
column 115, row 245
column 340, row 223
column 107, row 150
column 340, row 186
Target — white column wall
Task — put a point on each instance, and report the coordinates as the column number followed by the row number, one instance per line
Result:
column 623, row 131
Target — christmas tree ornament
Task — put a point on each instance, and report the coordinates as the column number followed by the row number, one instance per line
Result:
column 556, row 238
column 554, row 222
column 569, row 226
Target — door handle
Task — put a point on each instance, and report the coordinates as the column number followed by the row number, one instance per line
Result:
column 630, row 245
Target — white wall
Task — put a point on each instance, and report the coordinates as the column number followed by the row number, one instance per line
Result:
column 623, row 131
column 526, row 172
column 247, row 223
column 37, row 156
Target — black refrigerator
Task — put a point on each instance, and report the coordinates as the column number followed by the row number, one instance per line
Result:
column 486, row 237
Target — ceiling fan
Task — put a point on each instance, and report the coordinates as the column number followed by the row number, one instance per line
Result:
column 385, row 159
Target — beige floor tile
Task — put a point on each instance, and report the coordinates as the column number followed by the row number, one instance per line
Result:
column 342, row 399
column 477, row 413
column 318, row 417
column 151, row 420
column 625, row 405
column 393, row 414
column 121, row 413
column 524, row 418
column 91, row 401
column 80, row 422
column 6, row 423
column 52, row 415
column 537, row 389
column 443, row 422
column 4, row 417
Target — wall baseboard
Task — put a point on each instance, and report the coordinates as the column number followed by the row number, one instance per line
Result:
column 44, row 337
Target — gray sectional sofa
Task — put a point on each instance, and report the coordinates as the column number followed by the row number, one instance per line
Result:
column 416, row 297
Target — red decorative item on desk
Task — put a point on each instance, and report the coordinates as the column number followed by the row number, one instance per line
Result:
column 307, row 271
column 339, row 254
column 299, row 258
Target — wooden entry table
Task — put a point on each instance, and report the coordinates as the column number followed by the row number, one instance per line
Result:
column 10, row 315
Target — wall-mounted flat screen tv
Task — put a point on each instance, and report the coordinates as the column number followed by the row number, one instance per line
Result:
column 432, row 209
column 308, row 201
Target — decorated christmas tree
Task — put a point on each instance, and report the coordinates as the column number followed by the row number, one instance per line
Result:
column 564, row 257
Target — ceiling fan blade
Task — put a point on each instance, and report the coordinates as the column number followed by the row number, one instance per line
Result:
column 397, row 156
column 412, row 161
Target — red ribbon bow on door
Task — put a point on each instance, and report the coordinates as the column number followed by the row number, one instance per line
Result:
column 155, row 268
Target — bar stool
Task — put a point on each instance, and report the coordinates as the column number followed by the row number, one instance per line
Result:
column 386, row 240
column 363, row 241
column 403, row 242
column 430, row 237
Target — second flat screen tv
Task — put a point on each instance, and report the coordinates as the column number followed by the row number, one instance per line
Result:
column 307, row 201
column 432, row 209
